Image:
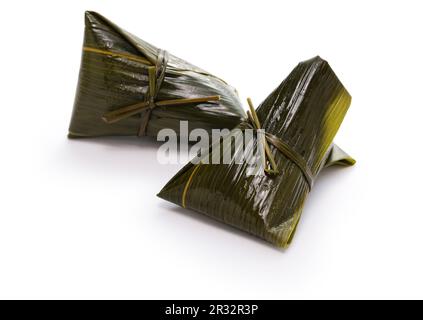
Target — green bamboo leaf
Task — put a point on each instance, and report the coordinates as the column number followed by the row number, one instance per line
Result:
column 114, row 74
column 304, row 112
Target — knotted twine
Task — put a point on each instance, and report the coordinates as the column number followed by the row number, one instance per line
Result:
column 156, row 75
column 283, row 147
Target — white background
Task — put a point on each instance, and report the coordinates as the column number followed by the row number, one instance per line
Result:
column 80, row 219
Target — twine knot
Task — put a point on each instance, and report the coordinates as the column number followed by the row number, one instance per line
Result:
column 156, row 75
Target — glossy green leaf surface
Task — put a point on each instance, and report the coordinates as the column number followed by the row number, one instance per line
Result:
column 305, row 111
column 114, row 74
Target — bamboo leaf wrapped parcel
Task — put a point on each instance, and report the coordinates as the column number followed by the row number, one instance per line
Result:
column 129, row 87
column 300, row 119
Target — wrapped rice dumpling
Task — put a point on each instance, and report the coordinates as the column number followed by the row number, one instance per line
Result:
column 129, row 87
column 300, row 119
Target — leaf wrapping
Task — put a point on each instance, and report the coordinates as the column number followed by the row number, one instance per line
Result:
column 114, row 74
column 305, row 112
